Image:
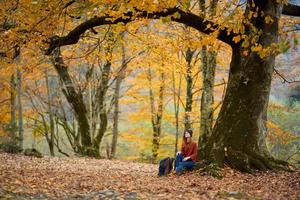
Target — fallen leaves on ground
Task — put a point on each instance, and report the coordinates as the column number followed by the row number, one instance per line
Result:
column 64, row 178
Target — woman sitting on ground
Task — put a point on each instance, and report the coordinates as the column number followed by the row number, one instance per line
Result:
column 187, row 157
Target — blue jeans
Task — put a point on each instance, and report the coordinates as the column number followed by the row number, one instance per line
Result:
column 181, row 165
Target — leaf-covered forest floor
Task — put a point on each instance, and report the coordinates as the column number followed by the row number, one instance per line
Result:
column 23, row 177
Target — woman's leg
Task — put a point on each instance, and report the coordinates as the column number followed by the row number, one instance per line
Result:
column 188, row 164
column 178, row 159
column 179, row 168
column 185, row 165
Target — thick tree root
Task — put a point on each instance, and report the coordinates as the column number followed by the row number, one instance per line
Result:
column 251, row 162
column 89, row 152
column 32, row 152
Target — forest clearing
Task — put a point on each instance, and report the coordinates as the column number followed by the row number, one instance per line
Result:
column 149, row 99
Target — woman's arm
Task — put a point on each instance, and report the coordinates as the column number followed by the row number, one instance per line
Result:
column 193, row 155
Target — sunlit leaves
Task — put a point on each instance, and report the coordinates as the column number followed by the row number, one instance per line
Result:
column 277, row 135
column 236, row 39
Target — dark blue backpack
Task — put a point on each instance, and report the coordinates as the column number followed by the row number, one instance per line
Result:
column 165, row 166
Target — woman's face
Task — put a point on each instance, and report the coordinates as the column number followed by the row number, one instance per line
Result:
column 187, row 136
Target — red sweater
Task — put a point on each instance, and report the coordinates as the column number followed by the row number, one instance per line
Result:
column 190, row 150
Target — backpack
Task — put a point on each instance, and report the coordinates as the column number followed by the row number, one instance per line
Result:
column 165, row 166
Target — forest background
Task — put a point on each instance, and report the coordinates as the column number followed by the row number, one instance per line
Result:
column 135, row 87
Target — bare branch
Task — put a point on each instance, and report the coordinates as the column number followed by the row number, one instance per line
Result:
column 4, row 101
column 284, row 80
column 69, row 4
column 220, row 84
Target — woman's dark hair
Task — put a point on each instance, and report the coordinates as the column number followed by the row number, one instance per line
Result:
column 190, row 131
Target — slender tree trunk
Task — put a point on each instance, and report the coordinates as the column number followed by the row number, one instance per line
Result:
column 75, row 99
column 102, row 90
column 155, row 139
column 189, row 89
column 94, row 113
column 33, row 145
column 101, row 98
column 91, row 116
column 156, row 116
column 159, row 115
column 241, row 122
column 207, row 98
column 57, row 139
column 176, row 99
column 20, row 108
column 16, row 92
column 13, row 107
column 69, row 131
column 120, row 77
column 116, row 116
column 50, row 112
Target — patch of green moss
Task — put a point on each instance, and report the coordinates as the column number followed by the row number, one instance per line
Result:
column 10, row 147
column 211, row 170
column 32, row 152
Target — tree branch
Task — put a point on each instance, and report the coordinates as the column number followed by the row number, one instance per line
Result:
column 284, row 80
column 189, row 19
column 4, row 101
column 291, row 9
column 69, row 4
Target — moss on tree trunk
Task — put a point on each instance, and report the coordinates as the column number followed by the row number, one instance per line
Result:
column 242, row 120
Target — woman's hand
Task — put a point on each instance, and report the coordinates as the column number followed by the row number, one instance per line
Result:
column 186, row 158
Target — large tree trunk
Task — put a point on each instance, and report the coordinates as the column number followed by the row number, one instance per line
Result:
column 75, row 99
column 241, row 122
